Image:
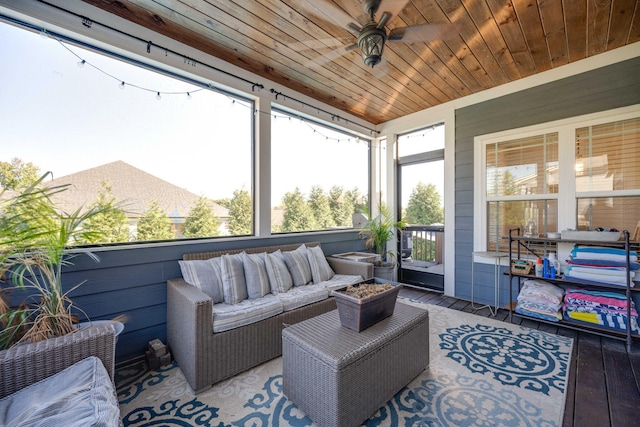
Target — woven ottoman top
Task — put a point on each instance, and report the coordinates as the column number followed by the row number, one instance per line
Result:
column 325, row 338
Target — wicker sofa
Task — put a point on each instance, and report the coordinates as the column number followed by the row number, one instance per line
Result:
column 207, row 357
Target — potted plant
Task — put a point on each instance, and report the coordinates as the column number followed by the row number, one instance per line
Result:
column 378, row 231
column 34, row 248
column 364, row 304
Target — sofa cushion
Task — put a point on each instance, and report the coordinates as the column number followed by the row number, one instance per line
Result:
column 340, row 281
column 234, row 286
column 230, row 316
column 298, row 264
column 255, row 274
column 279, row 276
column 302, row 295
column 205, row 275
column 80, row 395
column 320, row 269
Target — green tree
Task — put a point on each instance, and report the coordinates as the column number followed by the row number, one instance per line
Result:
column 425, row 206
column 297, row 215
column 240, row 213
column 154, row 224
column 201, row 221
column 341, row 211
column 18, row 175
column 226, row 202
column 319, row 205
column 111, row 224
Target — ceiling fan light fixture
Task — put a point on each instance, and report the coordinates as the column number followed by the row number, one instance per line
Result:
column 371, row 44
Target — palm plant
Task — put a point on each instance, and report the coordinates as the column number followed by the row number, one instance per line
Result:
column 34, row 248
column 379, row 230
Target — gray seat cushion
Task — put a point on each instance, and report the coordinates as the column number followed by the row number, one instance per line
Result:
column 302, row 295
column 230, row 316
column 81, row 395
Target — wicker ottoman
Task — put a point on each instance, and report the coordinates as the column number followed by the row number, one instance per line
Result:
column 339, row 377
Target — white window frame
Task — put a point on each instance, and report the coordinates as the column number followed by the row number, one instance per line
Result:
column 567, row 194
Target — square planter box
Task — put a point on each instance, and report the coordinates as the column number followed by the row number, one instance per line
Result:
column 358, row 314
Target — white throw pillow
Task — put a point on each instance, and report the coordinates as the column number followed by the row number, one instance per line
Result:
column 279, row 276
column 234, row 286
column 298, row 265
column 255, row 274
column 320, row 268
column 205, row 275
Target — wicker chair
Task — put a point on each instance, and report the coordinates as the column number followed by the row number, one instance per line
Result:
column 23, row 365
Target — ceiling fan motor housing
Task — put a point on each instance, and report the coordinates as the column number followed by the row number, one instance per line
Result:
column 371, row 43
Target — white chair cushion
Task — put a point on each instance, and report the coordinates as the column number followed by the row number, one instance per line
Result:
column 320, row 269
column 230, row 316
column 255, row 274
column 298, row 264
column 340, row 281
column 234, row 285
column 302, row 295
column 279, row 276
column 81, row 395
column 205, row 275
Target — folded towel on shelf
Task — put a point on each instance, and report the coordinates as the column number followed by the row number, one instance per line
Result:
column 603, row 253
column 609, row 275
column 616, row 321
column 544, row 315
column 587, row 262
column 540, row 290
column 597, row 300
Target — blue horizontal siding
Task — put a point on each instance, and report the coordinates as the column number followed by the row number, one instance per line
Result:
column 593, row 91
column 131, row 281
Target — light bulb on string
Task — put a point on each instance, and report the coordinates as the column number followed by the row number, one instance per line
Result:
column 158, row 97
column 43, row 34
column 121, row 86
column 81, row 63
column 188, row 96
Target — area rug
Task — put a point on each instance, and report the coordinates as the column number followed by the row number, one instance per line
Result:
column 482, row 372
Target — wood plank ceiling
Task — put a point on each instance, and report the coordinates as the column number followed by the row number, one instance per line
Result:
column 301, row 44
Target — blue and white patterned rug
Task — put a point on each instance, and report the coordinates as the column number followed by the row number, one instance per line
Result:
column 482, row 372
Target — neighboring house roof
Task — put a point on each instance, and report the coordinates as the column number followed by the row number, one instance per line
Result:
column 132, row 188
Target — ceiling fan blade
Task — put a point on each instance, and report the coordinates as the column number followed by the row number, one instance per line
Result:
column 384, row 19
column 393, row 7
column 328, row 57
column 353, row 27
column 324, row 10
column 423, row 33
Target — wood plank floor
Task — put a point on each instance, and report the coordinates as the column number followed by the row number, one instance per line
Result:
column 604, row 379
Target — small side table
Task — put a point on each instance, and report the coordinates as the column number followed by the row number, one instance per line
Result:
column 497, row 256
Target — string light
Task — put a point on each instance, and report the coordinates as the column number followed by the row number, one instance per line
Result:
column 159, row 94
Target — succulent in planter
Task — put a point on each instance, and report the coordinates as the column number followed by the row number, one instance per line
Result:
column 378, row 231
column 35, row 242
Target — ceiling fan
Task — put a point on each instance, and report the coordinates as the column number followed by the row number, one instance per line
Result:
column 372, row 35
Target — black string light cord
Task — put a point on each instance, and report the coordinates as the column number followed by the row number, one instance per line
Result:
column 61, row 38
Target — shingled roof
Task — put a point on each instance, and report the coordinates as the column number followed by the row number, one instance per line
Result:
column 133, row 189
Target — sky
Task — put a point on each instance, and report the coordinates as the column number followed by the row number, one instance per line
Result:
column 64, row 118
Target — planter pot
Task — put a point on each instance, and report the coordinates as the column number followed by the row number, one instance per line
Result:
column 358, row 314
column 385, row 271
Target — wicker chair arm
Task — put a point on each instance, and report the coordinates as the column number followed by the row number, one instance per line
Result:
column 25, row 364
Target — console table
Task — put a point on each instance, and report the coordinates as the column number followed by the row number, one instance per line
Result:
column 340, row 377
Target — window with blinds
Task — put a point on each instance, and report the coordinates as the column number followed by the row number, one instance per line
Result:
column 608, row 160
column 523, row 166
column 518, row 171
column 596, row 157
